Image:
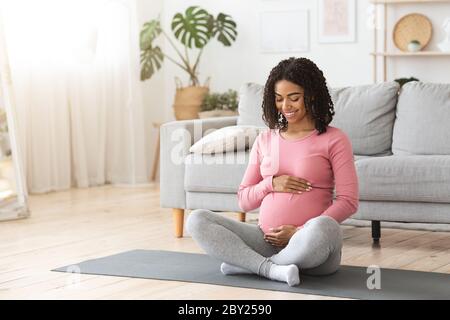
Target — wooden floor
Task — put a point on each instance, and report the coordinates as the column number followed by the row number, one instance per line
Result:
column 72, row 226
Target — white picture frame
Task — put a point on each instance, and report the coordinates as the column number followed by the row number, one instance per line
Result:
column 337, row 21
column 284, row 31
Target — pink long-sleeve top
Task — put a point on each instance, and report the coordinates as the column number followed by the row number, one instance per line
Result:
column 325, row 160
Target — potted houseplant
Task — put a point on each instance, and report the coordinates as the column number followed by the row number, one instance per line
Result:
column 402, row 81
column 414, row 46
column 219, row 104
column 194, row 29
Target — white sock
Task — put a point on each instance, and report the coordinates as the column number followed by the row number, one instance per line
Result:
column 289, row 274
column 230, row 269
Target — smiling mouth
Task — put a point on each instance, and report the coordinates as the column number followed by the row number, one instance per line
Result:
column 290, row 114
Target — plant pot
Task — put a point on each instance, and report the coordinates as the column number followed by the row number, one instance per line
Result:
column 414, row 47
column 188, row 101
column 217, row 113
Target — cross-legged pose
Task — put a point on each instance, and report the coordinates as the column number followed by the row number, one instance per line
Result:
column 294, row 167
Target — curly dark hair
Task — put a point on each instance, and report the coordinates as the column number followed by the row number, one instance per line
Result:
column 305, row 73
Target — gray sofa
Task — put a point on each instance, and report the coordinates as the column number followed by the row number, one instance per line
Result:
column 401, row 145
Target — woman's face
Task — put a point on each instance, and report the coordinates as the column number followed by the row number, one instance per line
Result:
column 289, row 101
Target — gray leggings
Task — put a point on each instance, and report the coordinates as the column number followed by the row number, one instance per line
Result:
column 315, row 248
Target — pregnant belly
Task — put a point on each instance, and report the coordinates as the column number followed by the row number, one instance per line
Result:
column 281, row 208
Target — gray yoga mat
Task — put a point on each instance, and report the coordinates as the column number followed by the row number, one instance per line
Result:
column 348, row 282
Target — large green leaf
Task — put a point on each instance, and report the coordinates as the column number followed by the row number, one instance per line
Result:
column 149, row 32
column 151, row 60
column 193, row 28
column 225, row 27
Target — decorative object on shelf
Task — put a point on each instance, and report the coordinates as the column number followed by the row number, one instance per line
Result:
column 414, row 46
column 273, row 35
column 337, row 21
column 420, row 25
column 445, row 44
column 219, row 104
column 402, row 81
column 414, row 26
column 193, row 29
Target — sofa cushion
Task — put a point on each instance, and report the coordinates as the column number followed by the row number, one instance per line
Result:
column 250, row 105
column 220, row 172
column 423, row 113
column 359, row 157
column 366, row 113
column 401, row 211
column 405, row 178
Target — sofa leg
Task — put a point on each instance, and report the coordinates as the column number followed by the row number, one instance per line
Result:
column 242, row 216
column 178, row 219
column 376, row 231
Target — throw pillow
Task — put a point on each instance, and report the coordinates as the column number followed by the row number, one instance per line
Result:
column 231, row 138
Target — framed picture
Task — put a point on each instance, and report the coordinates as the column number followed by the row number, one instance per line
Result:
column 337, row 21
column 284, row 31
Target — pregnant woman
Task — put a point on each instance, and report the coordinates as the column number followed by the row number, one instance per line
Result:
column 294, row 167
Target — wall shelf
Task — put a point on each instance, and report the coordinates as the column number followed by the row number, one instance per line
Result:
column 406, row 1
column 411, row 54
column 383, row 52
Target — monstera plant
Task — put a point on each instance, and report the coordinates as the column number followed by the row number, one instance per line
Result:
column 193, row 30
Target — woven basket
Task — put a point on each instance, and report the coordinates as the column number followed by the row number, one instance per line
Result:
column 188, row 100
column 414, row 26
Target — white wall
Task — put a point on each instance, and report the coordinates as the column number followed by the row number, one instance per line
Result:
column 153, row 88
column 229, row 67
column 343, row 64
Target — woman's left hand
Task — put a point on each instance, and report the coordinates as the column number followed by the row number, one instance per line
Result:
column 281, row 235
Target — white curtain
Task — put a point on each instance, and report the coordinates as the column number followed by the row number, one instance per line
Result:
column 75, row 72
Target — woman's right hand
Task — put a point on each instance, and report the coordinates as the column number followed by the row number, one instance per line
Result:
column 291, row 184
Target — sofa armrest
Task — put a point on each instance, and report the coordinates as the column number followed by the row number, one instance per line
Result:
column 176, row 137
